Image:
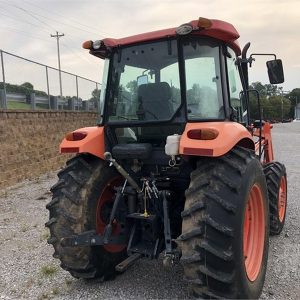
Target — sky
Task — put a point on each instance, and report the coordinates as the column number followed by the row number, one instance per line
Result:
column 272, row 26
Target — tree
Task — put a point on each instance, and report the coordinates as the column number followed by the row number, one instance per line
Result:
column 259, row 87
column 27, row 85
column 279, row 108
column 273, row 105
column 96, row 94
column 294, row 97
column 132, row 87
column 193, row 94
column 272, row 90
column 95, row 97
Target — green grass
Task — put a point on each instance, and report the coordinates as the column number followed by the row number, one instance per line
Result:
column 20, row 105
column 49, row 270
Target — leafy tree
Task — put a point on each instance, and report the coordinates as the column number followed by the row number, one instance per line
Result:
column 132, row 87
column 294, row 97
column 193, row 94
column 274, row 106
column 176, row 95
column 272, row 90
column 95, row 97
column 96, row 94
column 266, row 90
column 27, row 85
column 277, row 107
column 25, row 88
column 259, row 87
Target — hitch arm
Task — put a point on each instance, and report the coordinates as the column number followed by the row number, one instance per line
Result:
column 108, row 227
column 120, row 169
column 167, row 227
column 91, row 238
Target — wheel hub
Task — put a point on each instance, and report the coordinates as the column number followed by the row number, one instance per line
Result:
column 282, row 196
column 254, row 233
column 104, row 206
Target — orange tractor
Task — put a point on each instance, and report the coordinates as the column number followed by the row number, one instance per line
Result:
column 175, row 167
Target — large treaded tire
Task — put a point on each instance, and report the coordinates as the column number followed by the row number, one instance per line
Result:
column 73, row 210
column 212, row 239
column 275, row 172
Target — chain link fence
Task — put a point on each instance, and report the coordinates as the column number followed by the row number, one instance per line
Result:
column 27, row 84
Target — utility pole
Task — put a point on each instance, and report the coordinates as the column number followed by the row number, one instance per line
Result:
column 57, row 36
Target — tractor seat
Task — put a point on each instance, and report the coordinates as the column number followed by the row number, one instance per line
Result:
column 132, row 151
column 154, row 101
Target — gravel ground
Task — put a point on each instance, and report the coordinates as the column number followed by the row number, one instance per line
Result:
column 28, row 270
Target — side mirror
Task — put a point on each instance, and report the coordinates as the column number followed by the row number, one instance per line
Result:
column 143, row 79
column 275, row 71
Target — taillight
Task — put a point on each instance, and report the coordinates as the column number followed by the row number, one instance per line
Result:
column 70, row 150
column 202, row 134
column 76, row 136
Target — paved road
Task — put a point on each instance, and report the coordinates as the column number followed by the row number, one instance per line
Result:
column 28, row 270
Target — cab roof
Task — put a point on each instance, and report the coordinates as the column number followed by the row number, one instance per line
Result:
column 217, row 29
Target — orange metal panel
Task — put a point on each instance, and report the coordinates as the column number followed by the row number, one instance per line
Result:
column 230, row 134
column 93, row 143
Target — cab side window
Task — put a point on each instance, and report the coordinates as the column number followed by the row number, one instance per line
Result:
column 235, row 88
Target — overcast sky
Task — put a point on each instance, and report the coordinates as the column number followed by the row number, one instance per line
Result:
column 272, row 26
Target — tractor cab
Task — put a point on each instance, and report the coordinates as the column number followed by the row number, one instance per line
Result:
column 155, row 83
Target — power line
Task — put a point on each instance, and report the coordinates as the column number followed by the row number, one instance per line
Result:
column 77, row 23
column 18, row 20
column 9, row 28
column 57, row 36
column 37, row 37
column 63, row 23
column 77, row 54
column 32, row 15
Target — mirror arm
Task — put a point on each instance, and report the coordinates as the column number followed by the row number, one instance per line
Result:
column 251, row 59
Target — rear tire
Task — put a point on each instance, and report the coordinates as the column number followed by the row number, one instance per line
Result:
column 76, row 198
column 277, row 190
column 223, row 195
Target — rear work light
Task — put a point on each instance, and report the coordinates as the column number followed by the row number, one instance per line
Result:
column 76, row 136
column 184, row 29
column 97, row 44
column 202, row 134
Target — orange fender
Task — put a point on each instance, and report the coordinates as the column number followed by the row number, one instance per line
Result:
column 217, row 138
column 84, row 140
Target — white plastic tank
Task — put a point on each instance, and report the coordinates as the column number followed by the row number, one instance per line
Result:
column 172, row 145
